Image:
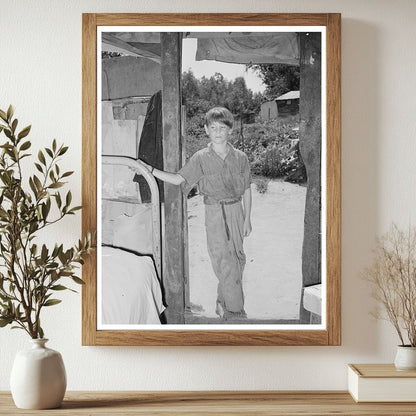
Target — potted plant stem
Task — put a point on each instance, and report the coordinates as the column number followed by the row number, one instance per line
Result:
column 393, row 277
column 31, row 273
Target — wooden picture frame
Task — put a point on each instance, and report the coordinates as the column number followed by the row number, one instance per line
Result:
column 330, row 333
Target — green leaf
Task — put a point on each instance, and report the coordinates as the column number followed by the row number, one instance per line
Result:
column 49, row 152
column 59, row 287
column 67, row 174
column 24, row 132
column 56, row 185
column 34, row 249
column 40, row 332
column 8, row 133
column 51, row 302
column 45, row 211
column 10, row 112
column 25, row 145
column 58, row 199
column 63, row 150
column 37, row 182
column 68, row 199
column 52, row 265
column 25, row 155
column 54, row 145
column 54, row 276
column 41, row 157
column 77, row 208
column 33, row 187
column 62, row 257
column 44, row 253
column 39, row 167
column 55, row 251
column 76, row 279
column 5, row 321
column 3, row 115
column 4, row 298
column 14, row 125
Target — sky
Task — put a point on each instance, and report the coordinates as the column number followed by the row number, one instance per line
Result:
column 209, row 68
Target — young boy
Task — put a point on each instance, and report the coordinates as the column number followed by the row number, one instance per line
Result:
column 223, row 177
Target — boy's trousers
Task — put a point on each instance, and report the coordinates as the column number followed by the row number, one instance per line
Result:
column 224, row 225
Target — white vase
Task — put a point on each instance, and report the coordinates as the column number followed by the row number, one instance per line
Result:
column 405, row 358
column 38, row 377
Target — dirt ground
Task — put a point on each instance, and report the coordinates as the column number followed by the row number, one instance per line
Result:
column 272, row 278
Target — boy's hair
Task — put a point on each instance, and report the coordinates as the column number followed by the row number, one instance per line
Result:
column 221, row 115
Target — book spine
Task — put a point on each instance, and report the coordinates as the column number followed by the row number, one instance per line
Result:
column 353, row 381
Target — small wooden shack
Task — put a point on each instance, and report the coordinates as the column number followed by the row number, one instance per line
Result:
column 282, row 106
column 288, row 104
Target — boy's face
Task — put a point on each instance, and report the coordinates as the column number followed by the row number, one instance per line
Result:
column 218, row 132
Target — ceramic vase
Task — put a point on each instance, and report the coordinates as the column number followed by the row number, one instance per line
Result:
column 405, row 358
column 38, row 377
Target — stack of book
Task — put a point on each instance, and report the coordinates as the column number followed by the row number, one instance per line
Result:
column 381, row 383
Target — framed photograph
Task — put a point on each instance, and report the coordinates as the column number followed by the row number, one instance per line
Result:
column 211, row 172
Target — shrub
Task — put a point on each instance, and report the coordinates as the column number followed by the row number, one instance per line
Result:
column 262, row 184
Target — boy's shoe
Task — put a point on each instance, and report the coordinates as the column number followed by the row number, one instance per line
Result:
column 223, row 313
column 228, row 315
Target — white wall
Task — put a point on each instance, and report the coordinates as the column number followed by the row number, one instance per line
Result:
column 40, row 73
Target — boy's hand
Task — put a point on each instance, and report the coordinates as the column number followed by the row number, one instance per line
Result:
column 148, row 167
column 247, row 227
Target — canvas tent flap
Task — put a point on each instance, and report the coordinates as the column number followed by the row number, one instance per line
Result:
column 120, row 79
column 272, row 48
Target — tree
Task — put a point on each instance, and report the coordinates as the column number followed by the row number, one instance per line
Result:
column 191, row 96
column 240, row 98
column 279, row 78
column 199, row 95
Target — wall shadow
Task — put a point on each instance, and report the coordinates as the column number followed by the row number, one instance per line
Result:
column 361, row 50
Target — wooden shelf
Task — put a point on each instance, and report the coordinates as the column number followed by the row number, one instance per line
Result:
column 179, row 403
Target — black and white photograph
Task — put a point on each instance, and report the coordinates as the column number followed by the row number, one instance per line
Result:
column 211, row 178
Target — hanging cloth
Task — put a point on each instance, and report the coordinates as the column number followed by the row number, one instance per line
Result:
column 257, row 49
column 150, row 146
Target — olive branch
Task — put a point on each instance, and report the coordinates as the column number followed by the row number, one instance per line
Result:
column 31, row 273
